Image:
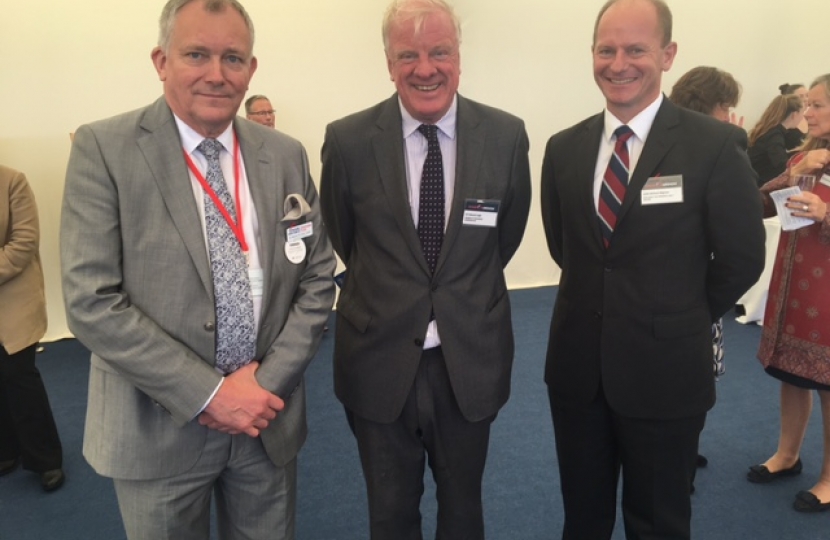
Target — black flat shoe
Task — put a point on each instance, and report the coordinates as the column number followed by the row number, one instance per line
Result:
column 52, row 480
column 759, row 474
column 808, row 502
column 701, row 461
column 7, row 466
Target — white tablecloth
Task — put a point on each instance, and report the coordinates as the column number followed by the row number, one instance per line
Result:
column 755, row 299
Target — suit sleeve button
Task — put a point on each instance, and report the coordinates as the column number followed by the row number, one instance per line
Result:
column 419, row 342
column 209, row 326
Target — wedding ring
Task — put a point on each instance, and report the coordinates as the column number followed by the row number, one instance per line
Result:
column 806, row 207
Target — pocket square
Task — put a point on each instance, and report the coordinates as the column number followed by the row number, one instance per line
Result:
column 295, row 207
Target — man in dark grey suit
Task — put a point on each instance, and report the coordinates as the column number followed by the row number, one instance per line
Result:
column 197, row 270
column 653, row 215
column 426, row 197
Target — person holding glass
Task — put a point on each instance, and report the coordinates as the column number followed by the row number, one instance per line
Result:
column 795, row 343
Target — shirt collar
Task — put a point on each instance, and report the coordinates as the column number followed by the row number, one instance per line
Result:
column 446, row 124
column 191, row 139
column 640, row 124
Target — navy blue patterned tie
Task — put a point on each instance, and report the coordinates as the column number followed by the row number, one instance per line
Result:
column 235, row 332
column 431, row 202
column 614, row 185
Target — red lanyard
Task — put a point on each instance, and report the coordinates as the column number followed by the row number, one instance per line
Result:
column 235, row 227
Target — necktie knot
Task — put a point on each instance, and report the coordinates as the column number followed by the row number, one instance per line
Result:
column 210, row 148
column 430, row 131
column 623, row 133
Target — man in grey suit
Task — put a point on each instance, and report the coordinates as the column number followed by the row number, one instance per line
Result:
column 426, row 197
column 197, row 270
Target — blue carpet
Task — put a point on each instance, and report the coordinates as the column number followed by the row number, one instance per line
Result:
column 521, row 485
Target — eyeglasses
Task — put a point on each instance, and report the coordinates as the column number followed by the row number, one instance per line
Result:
column 263, row 113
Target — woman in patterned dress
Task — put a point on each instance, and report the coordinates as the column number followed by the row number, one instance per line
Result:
column 795, row 343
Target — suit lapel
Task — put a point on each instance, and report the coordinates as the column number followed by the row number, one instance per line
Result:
column 162, row 150
column 267, row 193
column 470, row 139
column 390, row 158
column 660, row 140
column 587, row 145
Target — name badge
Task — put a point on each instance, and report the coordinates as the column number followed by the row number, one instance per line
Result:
column 298, row 232
column 662, row 190
column 481, row 213
column 295, row 251
column 255, row 275
column 825, row 180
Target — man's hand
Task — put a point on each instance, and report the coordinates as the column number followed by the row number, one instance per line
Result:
column 241, row 405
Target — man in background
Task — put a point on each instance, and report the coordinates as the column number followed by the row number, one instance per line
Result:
column 653, row 215
column 197, row 270
column 426, row 197
column 258, row 109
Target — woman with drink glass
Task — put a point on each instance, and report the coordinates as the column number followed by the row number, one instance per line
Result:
column 795, row 343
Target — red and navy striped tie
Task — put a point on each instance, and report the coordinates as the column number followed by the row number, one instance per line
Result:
column 614, row 184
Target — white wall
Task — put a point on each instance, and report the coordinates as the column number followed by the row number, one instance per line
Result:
column 63, row 64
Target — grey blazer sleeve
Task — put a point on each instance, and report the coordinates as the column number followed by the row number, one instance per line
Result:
column 98, row 213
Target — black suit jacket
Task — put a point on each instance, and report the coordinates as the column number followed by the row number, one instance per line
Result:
column 388, row 295
column 636, row 318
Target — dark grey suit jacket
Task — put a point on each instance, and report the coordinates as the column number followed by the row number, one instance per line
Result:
column 139, row 294
column 386, row 301
column 636, row 318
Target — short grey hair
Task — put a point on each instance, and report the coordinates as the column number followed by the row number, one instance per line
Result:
column 251, row 100
column 402, row 10
column 172, row 8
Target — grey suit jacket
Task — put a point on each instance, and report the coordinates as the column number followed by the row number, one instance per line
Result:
column 139, row 294
column 388, row 295
column 636, row 318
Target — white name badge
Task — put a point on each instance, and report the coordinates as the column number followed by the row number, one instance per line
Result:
column 255, row 275
column 295, row 251
column 825, row 180
column 662, row 190
column 299, row 232
column 481, row 213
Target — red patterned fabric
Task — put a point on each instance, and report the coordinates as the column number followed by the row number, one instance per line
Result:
column 796, row 334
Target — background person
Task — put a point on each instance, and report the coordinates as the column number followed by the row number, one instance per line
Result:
column 426, row 197
column 795, row 346
column 200, row 314
column 768, row 139
column 258, row 108
column 795, row 136
column 27, row 429
column 713, row 92
column 629, row 362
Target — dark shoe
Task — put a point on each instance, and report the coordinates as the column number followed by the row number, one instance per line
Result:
column 7, row 466
column 759, row 474
column 52, row 480
column 807, row 502
column 702, row 461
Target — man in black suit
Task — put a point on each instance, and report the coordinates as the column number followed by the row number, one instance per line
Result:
column 647, row 265
column 425, row 221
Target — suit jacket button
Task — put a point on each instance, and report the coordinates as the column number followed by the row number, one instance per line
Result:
column 433, row 288
column 609, row 269
column 597, row 314
column 210, row 327
column 419, row 342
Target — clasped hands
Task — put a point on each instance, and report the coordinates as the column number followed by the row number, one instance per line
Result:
column 241, row 405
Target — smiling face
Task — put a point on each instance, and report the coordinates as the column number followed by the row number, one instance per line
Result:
column 818, row 112
column 425, row 65
column 629, row 57
column 207, row 67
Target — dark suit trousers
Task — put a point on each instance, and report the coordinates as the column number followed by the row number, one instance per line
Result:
column 27, row 428
column 393, row 458
column 657, row 458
